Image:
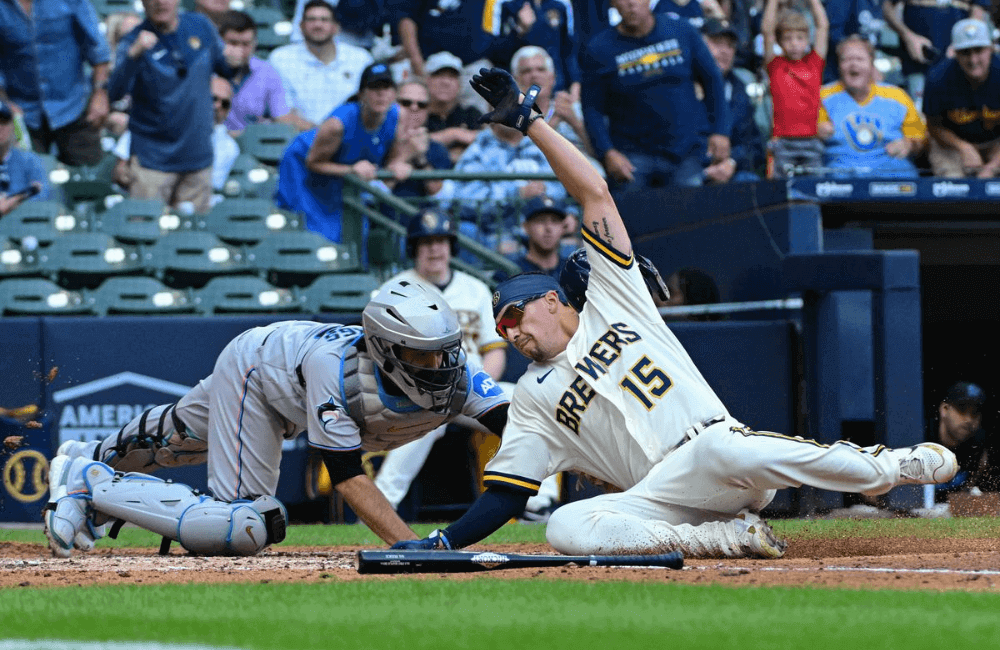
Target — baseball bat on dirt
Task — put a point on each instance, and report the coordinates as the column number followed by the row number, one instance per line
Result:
column 405, row 561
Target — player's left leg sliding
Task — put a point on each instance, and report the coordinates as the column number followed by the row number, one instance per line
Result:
column 89, row 490
column 700, row 499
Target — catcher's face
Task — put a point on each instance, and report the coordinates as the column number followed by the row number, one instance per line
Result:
column 423, row 358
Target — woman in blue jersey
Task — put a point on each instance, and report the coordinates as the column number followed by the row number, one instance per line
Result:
column 869, row 129
column 356, row 138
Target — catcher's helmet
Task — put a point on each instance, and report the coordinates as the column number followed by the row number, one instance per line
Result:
column 406, row 314
column 575, row 276
column 430, row 224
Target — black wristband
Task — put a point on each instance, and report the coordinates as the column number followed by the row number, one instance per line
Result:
column 524, row 117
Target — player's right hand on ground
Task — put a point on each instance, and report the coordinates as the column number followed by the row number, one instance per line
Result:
column 435, row 541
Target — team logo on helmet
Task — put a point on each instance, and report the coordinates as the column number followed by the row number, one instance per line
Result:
column 496, row 298
column 433, row 221
column 194, row 42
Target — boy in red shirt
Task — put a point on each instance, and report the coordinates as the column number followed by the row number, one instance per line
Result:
column 795, row 78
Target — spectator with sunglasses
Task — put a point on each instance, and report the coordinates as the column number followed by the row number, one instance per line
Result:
column 166, row 65
column 419, row 150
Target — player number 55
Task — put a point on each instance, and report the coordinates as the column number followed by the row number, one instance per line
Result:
column 655, row 381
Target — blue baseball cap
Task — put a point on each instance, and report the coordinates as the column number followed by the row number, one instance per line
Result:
column 541, row 205
column 5, row 110
column 526, row 286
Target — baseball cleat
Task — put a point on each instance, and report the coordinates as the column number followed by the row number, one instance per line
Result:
column 756, row 538
column 926, row 463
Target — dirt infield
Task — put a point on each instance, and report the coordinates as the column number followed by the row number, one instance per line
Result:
column 884, row 563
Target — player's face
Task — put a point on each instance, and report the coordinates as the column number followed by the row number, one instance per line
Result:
column 545, row 230
column 959, row 425
column 794, row 44
column 975, row 62
column 433, row 254
column 444, row 86
column 423, row 358
column 723, row 49
column 318, row 26
column 857, row 70
column 534, row 71
column 528, row 325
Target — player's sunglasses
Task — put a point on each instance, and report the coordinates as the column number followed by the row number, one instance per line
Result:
column 512, row 315
column 411, row 103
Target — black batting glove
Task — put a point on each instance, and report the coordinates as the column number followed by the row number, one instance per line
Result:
column 498, row 87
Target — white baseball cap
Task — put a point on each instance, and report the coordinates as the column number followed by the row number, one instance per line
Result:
column 969, row 33
column 442, row 61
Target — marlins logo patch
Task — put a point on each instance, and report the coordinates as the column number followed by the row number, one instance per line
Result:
column 328, row 413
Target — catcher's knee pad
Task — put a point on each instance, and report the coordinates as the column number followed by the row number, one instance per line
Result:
column 157, row 438
column 200, row 523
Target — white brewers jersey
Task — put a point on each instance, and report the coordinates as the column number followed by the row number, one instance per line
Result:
column 616, row 401
column 300, row 368
column 471, row 300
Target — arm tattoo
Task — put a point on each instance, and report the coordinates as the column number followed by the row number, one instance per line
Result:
column 601, row 227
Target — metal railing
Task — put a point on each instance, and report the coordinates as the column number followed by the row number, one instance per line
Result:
column 356, row 209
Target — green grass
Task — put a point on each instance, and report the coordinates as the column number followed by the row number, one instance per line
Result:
column 486, row 613
column 355, row 535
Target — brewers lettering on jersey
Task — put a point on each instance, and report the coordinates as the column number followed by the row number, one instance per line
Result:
column 612, row 393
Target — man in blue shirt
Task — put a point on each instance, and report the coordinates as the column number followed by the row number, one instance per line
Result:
column 962, row 104
column 645, row 123
column 166, row 65
column 747, row 144
column 19, row 170
column 549, row 24
column 43, row 47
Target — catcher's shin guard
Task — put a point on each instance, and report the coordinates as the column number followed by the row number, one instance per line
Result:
column 200, row 523
column 157, row 438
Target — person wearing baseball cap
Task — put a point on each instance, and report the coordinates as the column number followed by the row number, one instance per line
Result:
column 357, row 138
column 961, row 101
column 544, row 221
column 957, row 424
column 22, row 175
column 450, row 123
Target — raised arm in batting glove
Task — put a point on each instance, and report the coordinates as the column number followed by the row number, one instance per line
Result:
column 498, row 88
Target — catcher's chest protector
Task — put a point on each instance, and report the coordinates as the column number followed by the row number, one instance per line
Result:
column 381, row 427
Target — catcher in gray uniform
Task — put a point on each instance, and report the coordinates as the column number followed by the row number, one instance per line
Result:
column 375, row 387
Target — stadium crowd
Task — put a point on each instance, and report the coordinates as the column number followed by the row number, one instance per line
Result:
column 656, row 93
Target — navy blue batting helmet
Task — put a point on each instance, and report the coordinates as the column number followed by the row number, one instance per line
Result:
column 575, row 276
column 430, row 224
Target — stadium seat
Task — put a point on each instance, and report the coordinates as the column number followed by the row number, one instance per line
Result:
column 85, row 259
column 296, row 258
column 16, row 261
column 43, row 220
column 340, row 292
column 273, row 28
column 90, row 184
column 40, row 297
column 190, row 259
column 245, row 295
column 137, row 221
column 267, row 141
column 247, row 221
column 140, row 295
